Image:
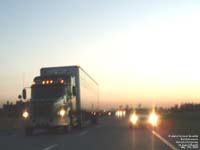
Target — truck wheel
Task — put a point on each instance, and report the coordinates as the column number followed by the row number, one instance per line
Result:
column 67, row 128
column 94, row 120
column 29, row 131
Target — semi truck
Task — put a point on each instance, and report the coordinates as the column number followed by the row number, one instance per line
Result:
column 61, row 97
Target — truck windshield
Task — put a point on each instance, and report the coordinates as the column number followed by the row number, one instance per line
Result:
column 47, row 91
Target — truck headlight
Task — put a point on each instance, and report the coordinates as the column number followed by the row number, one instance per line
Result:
column 62, row 112
column 25, row 114
column 153, row 119
column 134, row 118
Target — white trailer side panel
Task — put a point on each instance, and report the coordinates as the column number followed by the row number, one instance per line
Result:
column 88, row 92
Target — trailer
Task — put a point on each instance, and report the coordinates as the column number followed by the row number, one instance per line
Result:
column 62, row 97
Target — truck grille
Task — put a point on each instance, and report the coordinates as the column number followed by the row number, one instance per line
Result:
column 41, row 109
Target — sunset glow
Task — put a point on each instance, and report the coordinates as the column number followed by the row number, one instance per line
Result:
column 139, row 53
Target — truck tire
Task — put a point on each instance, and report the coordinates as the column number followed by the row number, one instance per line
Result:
column 29, row 131
column 94, row 120
column 67, row 128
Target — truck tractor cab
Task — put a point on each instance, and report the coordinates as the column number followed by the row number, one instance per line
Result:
column 52, row 100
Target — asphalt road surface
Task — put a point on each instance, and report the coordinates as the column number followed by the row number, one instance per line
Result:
column 110, row 134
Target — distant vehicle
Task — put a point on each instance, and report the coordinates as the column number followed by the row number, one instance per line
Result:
column 142, row 117
column 120, row 113
column 61, row 97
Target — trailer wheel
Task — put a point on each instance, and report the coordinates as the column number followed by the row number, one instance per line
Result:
column 79, row 125
column 29, row 131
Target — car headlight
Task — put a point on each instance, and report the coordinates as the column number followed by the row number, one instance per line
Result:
column 62, row 112
column 25, row 114
column 153, row 119
column 134, row 118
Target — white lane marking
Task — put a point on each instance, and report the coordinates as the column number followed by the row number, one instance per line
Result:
column 164, row 140
column 50, row 147
column 83, row 133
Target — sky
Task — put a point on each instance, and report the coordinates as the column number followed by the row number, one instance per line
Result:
column 140, row 52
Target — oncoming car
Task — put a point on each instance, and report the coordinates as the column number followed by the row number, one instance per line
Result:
column 143, row 117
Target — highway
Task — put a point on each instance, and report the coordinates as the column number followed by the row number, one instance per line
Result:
column 110, row 134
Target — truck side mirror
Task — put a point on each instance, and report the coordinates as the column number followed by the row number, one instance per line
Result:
column 74, row 90
column 24, row 93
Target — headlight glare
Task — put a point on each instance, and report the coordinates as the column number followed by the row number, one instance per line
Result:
column 134, row 118
column 153, row 119
column 25, row 114
column 62, row 112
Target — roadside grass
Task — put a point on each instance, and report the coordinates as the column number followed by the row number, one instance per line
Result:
column 8, row 131
column 182, row 122
column 10, row 124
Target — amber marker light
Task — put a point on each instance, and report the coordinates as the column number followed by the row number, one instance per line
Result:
column 62, row 81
